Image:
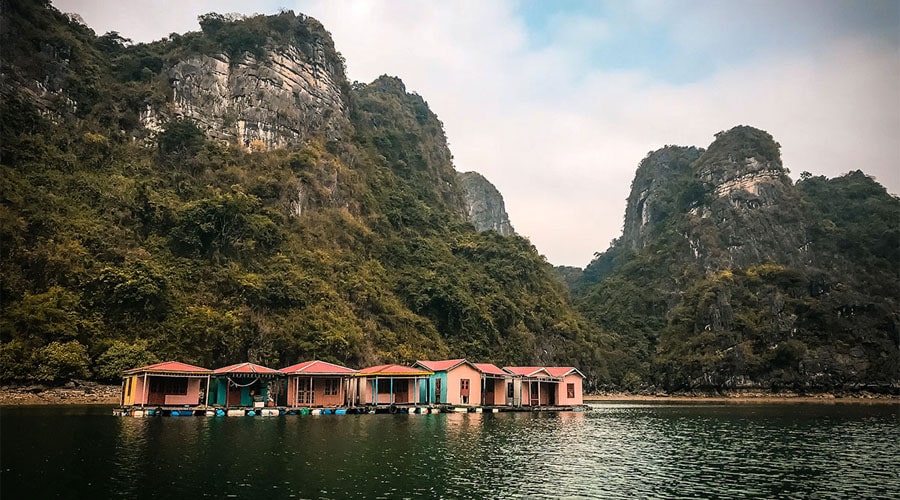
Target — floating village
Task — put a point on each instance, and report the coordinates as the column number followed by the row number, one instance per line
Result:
column 317, row 387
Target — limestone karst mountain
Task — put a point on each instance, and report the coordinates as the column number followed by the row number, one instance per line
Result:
column 227, row 195
column 729, row 275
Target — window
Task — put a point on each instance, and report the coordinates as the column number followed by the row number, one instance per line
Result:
column 384, row 386
column 570, row 390
column 173, row 386
column 510, row 392
column 331, row 386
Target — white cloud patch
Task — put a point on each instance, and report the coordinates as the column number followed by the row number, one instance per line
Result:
column 561, row 138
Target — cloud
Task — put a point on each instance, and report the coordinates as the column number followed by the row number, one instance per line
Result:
column 560, row 126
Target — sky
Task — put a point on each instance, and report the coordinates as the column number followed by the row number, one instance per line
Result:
column 556, row 102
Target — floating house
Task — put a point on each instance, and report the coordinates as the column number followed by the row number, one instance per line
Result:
column 454, row 382
column 569, row 389
column 319, row 383
column 244, row 385
column 391, row 384
column 534, row 386
column 547, row 386
column 497, row 387
column 170, row 383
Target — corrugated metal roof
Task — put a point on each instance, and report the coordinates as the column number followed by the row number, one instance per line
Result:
column 246, row 368
column 442, row 365
column 490, row 369
column 562, row 371
column 169, row 367
column 316, row 367
column 525, row 371
column 391, row 370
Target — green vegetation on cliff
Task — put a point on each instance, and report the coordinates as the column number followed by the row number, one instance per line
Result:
column 729, row 276
column 119, row 250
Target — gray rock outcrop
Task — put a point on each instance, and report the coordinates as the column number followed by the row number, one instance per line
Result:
column 484, row 204
column 279, row 100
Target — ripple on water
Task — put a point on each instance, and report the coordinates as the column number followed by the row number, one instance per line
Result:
column 615, row 451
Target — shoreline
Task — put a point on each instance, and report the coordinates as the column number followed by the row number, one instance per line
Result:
column 86, row 394
column 98, row 394
column 745, row 398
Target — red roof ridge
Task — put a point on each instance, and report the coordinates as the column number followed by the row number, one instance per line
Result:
column 392, row 369
column 490, row 368
column 245, row 367
column 168, row 367
column 441, row 365
column 312, row 368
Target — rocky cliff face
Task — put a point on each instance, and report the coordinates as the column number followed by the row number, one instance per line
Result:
column 484, row 204
column 736, row 203
column 650, row 191
column 280, row 99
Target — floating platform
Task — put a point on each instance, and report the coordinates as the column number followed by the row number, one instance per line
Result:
column 274, row 411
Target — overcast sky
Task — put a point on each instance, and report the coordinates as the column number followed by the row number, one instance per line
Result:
column 556, row 102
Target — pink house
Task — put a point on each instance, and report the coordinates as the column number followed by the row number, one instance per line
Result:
column 454, row 382
column 391, row 384
column 170, row 383
column 535, row 385
column 244, row 384
column 497, row 387
column 547, row 386
column 318, row 383
column 569, row 389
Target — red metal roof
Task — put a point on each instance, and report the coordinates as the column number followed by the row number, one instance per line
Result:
column 490, row 369
column 562, row 371
column 316, row 367
column 246, row 368
column 169, row 367
column 389, row 370
column 441, row 366
column 527, row 371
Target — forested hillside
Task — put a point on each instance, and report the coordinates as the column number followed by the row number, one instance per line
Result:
column 144, row 217
column 730, row 276
column 228, row 195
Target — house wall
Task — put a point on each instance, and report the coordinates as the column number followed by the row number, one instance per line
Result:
column 319, row 397
column 191, row 398
column 499, row 395
column 454, row 377
column 401, row 395
column 128, row 391
column 518, row 387
column 563, row 391
column 137, row 396
column 221, row 394
column 543, row 395
column 428, row 389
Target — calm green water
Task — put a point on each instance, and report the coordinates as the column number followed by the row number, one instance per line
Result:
column 614, row 451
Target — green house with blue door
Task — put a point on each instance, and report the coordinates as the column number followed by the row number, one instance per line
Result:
column 244, row 385
column 455, row 382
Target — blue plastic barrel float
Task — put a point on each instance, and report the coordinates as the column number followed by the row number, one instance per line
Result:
column 220, row 412
column 340, row 412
